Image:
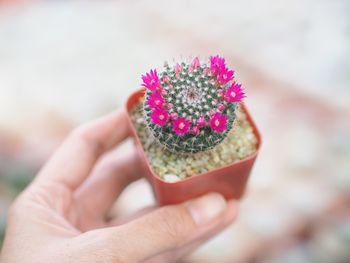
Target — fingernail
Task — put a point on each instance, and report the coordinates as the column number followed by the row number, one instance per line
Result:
column 206, row 208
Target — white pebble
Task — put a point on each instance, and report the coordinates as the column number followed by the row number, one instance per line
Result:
column 171, row 178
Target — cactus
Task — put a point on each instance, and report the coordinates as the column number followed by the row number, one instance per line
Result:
column 191, row 107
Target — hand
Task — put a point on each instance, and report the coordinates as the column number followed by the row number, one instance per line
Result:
column 62, row 216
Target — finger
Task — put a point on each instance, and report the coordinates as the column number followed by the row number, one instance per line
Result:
column 167, row 228
column 121, row 221
column 73, row 161
column 108, row 179
column 180, row 253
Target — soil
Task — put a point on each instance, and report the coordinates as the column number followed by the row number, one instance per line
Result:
column 239, row 144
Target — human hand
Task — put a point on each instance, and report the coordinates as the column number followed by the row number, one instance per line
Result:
column 63, row 215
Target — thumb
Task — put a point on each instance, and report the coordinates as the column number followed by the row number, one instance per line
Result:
column 169, row 227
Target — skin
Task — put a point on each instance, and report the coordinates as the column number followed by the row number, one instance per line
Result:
column 63, row 216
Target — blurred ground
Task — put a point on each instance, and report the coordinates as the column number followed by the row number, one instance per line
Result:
column 65, row 62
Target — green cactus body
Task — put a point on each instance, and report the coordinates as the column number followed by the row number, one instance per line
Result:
column 191, row 107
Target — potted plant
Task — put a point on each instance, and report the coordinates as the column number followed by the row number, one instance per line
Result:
column 192, row 130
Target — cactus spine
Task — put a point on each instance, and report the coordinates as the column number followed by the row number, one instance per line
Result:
column 191, row 107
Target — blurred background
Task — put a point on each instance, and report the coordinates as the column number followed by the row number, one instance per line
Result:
column 63, row 63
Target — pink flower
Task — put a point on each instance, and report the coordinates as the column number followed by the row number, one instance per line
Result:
column 221, row 107
column 225, row 76
column 218, row 122
column 159, row 117
column 217, row 64
column 206, row 71
column 181, row 126
column 178, row 70
column 174, row 116
column 234, row 93
column 151, row 80
column 155, row 100
column 166, row 79
column 195, row 130
column 201, row 122
column 195, row 64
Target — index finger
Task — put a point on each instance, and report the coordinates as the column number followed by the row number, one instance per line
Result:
column 75, row 158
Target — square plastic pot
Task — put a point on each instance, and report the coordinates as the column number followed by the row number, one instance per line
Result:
column 229, row 180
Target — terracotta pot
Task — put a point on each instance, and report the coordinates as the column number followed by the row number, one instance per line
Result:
column 229, row 180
